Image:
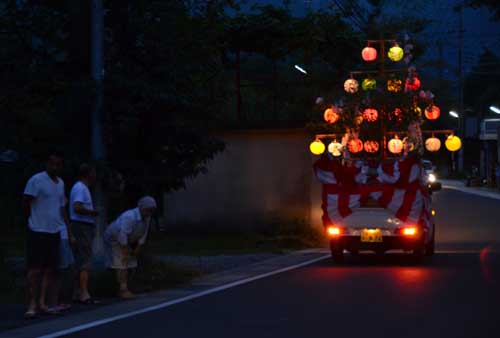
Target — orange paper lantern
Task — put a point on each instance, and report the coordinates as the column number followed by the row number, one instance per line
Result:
column 370, row 115
column 432, row 112
column 371, row 146
column 432, row 144
column 355, row 146
column 331, row 115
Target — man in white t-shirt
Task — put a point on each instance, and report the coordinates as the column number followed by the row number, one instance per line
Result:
column 83, row 218
column 43, row 203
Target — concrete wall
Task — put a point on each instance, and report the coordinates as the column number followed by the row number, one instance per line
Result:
column 262, row 176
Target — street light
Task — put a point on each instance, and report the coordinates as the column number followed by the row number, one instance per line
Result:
column 454, row 114
column 495, row 109
column 300, row 69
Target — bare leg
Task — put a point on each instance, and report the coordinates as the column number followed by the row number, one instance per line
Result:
column 83, row 283
column 47, row 280
column 122, row 278
column 34, row 281
column 53, row 292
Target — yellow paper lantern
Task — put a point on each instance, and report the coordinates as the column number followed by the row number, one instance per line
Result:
column 453, row 143
column 317, row 147
column 395, row 145
column 335, row 148
column 395, row 53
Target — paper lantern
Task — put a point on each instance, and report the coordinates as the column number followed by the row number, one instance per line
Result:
column 351, row 86
column 395, row 145
column 412, row 84
column 317, row 147
column 358, row 119
column 432, row 112
column 432, row 144
column 395, row 53
column 408, row 145
column 417, row 111
column 453, row 143
column 396, row 115
column 370, row 115
column 369, row 54
column 355, row 145
column 371, row 146
column 331, row 115
column 394, row 85
column 369, row 84
column 335, row 148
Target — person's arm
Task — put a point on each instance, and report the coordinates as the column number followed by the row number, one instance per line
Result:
column 80, row 209
column 30, row 193
column 142, row 240
column 126, row 226
column 79, row 197
column 65, row 217
column 27, row 199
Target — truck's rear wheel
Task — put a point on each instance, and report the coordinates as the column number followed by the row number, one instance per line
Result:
column 338, row 256
column 429, row 247
column 418, row 254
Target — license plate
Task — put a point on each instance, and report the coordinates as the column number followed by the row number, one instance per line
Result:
column 371, row 235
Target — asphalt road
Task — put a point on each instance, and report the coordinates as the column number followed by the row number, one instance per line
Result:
column 455, row 294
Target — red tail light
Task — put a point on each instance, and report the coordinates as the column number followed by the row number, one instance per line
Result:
column 409, row 231
column 334, row 231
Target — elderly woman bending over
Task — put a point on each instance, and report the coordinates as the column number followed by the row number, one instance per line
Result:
column 124, row 238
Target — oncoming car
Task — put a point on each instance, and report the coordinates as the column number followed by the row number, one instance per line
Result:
column 430, row 175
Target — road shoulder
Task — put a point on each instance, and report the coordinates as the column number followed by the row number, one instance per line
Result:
column 460, row 186
column 152, row 301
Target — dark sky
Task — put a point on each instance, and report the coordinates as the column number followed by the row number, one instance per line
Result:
column 480, row 31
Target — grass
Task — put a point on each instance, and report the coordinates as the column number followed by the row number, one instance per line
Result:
column 276, row 238
column 153, row 274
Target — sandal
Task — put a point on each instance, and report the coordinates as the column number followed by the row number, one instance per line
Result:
column 49, row 311
column 30, row 314
column 62, row 307
column 89, row 301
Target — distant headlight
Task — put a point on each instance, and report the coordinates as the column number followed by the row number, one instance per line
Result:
column 431, row 178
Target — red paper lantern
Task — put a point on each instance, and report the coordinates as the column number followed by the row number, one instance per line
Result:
column 369, row 54
column 355, row 145
column 370, row 115
column 412, row 84
column 432, row 112
column 331, row 115
column 371, row 146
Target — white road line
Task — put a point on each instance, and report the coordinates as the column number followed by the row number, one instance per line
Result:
column 487, row 194
column 177, row 301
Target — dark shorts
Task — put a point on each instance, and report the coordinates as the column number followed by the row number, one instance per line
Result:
column 84, row 236
column 42, row 250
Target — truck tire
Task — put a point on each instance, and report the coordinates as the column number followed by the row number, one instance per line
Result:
column 429, row 247
column 338, row 256
column 418, row 254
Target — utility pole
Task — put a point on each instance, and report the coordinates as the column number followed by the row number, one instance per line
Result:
column 461, row 128
column 97, row 148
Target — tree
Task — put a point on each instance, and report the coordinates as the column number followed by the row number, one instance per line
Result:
column 492, row 5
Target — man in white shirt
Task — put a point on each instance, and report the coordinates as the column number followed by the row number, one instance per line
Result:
column 43, row 205
column 83, row 218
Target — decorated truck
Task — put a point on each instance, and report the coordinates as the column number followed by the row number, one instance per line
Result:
column 375, row 190
column 378, row 207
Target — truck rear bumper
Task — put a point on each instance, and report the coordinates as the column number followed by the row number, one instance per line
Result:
column 353, row 243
